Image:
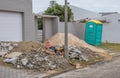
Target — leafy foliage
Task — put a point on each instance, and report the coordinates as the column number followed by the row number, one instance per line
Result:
column 58, row 10
column 40, row 23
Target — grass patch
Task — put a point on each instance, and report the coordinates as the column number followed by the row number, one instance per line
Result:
column 92, row 60
column 111, row 46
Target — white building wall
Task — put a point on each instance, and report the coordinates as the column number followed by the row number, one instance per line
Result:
column 111, row 30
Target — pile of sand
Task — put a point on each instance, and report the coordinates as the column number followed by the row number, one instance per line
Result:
column 27, row 46
column 58, row 39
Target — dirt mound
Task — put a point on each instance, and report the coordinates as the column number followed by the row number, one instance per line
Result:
column 27, row 46
column 58, row 39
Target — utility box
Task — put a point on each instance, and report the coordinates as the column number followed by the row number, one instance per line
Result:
column 93, row 32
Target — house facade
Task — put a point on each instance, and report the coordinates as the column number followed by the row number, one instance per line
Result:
column 17, row 21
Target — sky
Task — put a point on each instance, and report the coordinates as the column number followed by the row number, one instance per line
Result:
column 92, row 5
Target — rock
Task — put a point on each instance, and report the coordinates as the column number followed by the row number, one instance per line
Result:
column 73, row 49
column 46, row 58
column 2, row 54
column 82, row 57
column 52, row 66
column 7, row 46
column 11, row 60
column 18, row 66
column 10, row 48
column 77, row 66
column 50, row 52
column 39, row 59
column 15, row 44
column 30, row 66
column 13, row 54
column 24, row 61
column 73, row 55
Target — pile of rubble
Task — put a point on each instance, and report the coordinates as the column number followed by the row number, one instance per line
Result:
column 6, row 47
column 41, row 61
column 49, row 59
column 58, row 39
column 50, row 55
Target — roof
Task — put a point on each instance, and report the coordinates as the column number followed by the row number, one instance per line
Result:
column 45, row 16
column 96, row 21
column 49, row 16
column 80, row 13
column 107, row 13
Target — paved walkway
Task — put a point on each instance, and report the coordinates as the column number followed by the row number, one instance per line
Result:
column 108, row 70
column 6, row 72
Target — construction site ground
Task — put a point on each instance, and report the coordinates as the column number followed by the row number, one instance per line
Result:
column 46, row 60
column 109, row 69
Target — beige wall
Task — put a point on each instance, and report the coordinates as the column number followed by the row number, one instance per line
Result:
column 50, row 25
column 75, row 28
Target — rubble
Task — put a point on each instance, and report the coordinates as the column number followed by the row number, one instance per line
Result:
column 58, row 39
column 13, row 54
column 7, row 46
column 11, row 60
column 50, row 54
column 41, row 61
column 3, row 54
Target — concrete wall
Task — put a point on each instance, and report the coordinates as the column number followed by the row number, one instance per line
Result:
column 75, row 28
column 49, row 26
column 111, row 30
column 39, row 35
column 25, row 8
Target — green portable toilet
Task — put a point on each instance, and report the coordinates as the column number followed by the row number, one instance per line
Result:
column 93, row 32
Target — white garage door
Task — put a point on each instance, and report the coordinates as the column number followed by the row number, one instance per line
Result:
column 10, row 26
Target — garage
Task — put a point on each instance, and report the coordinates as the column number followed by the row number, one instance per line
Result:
column 10, row 26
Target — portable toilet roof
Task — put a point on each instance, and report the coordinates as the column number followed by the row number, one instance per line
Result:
column 96, row 21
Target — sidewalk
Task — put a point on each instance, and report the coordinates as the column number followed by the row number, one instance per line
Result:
column 107, row 70
column 6, row 72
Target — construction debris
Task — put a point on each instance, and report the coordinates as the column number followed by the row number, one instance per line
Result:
column 50, row 55
column 58, row 39
column 41, row 61
column 3, row 54
column 11, row 60
column 6, row 47
column 44, row 61
column 13, row 54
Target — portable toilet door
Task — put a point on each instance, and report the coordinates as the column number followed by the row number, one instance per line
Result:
column 93, row 32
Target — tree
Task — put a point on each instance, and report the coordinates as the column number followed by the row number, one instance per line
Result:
column 58, row 10
column 40, row 23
